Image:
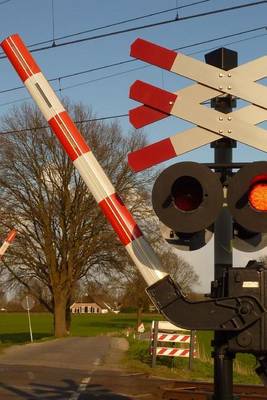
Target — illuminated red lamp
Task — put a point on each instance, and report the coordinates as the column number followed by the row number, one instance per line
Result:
column 258, row 196
column 247, row 202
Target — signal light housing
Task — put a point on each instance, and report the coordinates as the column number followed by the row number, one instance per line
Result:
column 187, row 198
column 247, row 201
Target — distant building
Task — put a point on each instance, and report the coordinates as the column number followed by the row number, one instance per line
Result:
column 87, row 308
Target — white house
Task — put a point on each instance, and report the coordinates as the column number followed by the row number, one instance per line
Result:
column 87, row 308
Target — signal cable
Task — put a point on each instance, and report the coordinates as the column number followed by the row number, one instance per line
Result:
column 151, row 25
column 118, row 23
column 77, row 122
column 4, row 2
column 108, row 76
column 53, row 22
column 61, row 77
column 113, row 24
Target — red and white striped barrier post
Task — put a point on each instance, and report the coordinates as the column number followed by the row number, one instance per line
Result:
column 180, row 337
column 80, row 153
column 9, row 239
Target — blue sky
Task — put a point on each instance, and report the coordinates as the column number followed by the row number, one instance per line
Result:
column 108, row 95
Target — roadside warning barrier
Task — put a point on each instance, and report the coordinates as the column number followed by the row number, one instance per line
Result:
column 164, row 331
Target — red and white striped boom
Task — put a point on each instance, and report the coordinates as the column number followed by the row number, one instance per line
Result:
column 80, row 153
column 9, row 239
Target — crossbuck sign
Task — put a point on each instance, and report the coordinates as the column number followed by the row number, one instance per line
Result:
column 186, row 104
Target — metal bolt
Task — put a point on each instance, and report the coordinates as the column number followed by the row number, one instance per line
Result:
column 220, row 87
column 229, row 131
column 220, row 131
column 220, row 75
column 229, row 118
column 220, row 118
column 229, row 87
column 170, row 102
column 229, row 75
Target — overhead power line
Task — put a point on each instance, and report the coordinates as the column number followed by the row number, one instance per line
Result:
column 4, row 2
column 127, row 71
column 53, row 21
column 122, row 72
column 148, row 66
column 126, row 21
column 151, row 25
column 77, row 122
column 61, row 77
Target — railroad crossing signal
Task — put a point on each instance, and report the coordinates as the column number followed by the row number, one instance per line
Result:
column 186, row 104
column 188, row 197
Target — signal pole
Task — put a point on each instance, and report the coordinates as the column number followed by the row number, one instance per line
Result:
column 223, row 233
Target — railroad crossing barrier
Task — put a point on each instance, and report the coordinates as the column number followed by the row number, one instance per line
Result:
column 165, row 332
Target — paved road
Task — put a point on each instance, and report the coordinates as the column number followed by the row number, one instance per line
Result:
column 71, row 369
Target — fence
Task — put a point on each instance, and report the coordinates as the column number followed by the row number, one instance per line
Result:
column 165, row 332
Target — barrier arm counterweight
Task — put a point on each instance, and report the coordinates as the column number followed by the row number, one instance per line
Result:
column 9, row 239
column 80, row 153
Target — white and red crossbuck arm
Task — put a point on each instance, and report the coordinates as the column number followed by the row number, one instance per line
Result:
column 183, row 107
column 236, row 82
column 9, row 239
column 80, row 153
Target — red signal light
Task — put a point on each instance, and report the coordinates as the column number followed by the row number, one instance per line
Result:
column 258, row 196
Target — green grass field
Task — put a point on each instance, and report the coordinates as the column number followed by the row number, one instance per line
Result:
column 14, row 329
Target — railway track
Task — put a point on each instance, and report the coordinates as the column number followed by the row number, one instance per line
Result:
column 203, row 391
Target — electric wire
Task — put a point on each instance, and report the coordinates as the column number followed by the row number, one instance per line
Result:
column 4, row 2
column 128, row 61
column 149, row 66
column 110, row 25
column 106, row 77
column 229, row 43
column 66, row 76
column 97, row 79
column 118, row 73
column 117, row 23
column 151, row 25
column 53, row 22
column 144, row 66
column 77, row 122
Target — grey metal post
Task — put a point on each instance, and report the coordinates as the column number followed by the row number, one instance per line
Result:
column 223, row 233
column 155, row 343
column 191, row 348
column 29, row 318
column 223, row 258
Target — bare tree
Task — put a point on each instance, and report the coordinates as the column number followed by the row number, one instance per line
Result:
column 62, row 235
column 181, row 271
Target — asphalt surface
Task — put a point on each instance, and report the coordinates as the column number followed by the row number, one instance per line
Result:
column 72, row 369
